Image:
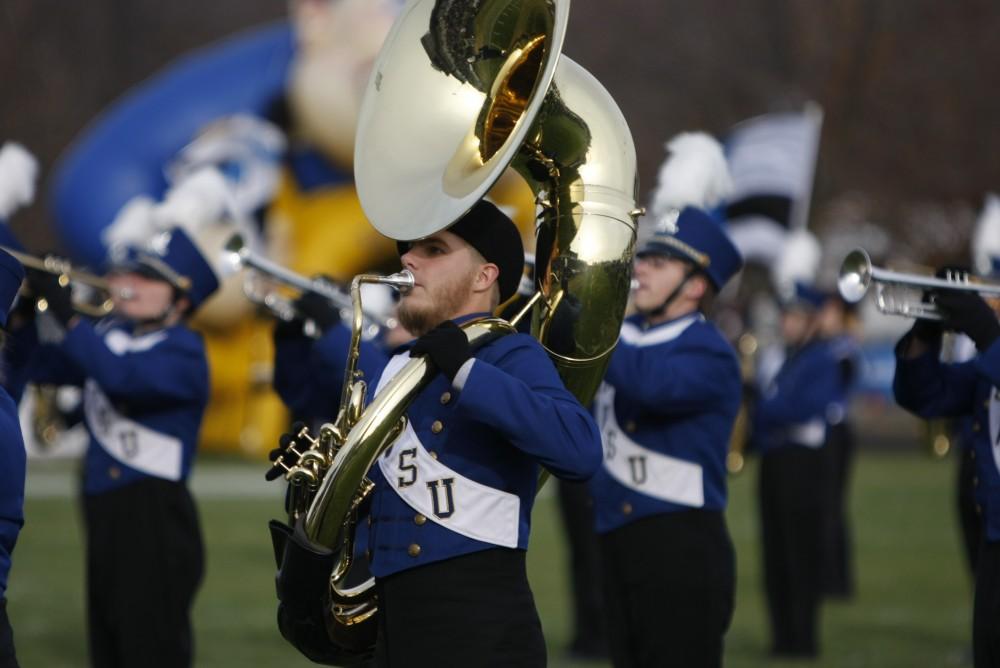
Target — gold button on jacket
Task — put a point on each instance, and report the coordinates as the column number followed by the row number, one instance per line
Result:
column 413, row 550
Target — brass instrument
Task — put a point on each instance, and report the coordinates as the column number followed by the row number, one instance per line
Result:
column 459, row 92
column 68, row 274
column 857, row 275
column 237, row 254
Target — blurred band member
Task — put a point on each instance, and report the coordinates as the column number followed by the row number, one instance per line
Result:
column 145, row 380
column 309, row 369
column 18, row 171
column 789, row 431
column 930, row 388
column 451, row 509
column 12, row 464
column 666, row 411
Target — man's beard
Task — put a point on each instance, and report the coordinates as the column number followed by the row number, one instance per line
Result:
column 445, row 303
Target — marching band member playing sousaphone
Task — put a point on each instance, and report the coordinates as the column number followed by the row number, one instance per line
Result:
column 930, row 388
column 666, row 410
column 145, row 380
column 451, row 508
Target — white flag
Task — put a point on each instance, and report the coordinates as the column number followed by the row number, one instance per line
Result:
column 772, row 159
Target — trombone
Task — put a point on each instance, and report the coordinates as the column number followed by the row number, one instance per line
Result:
column 67, row 275
column 236, row 254
column 857, row 275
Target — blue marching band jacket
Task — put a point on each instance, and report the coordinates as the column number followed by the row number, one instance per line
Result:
column 666, row 411
column 794, row 408
column 930, row 388
column 144, row 397
column 462, row 477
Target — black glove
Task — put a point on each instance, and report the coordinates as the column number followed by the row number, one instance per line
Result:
column 45, row 285
column 289, row 329
column 968, row 313
column 315, row 307
column 928, row 331
column 446, row 345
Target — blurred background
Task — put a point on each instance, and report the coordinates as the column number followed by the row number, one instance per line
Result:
column 907, row 152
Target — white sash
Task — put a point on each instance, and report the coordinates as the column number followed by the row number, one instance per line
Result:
column 129, row 442
column 811, row 434
column 443, row 495
column 641, row 469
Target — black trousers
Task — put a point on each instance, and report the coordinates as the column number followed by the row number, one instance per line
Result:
column 792, row 517
column 838, row 567
column 7, row 657
column 986, row 609
column 669, row 583
column 589, row 635
column 473, row 610
column 969, row 518
column 144, row 565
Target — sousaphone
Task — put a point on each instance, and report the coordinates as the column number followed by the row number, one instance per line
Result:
column 462, row 91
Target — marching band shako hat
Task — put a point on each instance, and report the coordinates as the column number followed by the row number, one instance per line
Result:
column 173, row 257
column 488, row 229
column 11, row 275
column 696, row 237
column 804, row 296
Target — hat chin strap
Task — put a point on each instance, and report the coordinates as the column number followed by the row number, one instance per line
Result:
column 662, row 308
column 159, row 320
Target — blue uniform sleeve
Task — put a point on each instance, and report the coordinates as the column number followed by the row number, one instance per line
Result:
column 685, row 381
column 929, row 388
column 12, row 470
column 309, row 374
column 50, row 365
column 521, row 396
column 174, row 369
column 803, row 396
column 17, row 355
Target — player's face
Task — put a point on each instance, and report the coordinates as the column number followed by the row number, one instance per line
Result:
column 443, row 268
column 138, row 297
column 796, row 324
column 658, row 276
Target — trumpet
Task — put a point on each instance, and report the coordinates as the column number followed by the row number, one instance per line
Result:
column 68, row 274
column 857, row 275
column 237, row 254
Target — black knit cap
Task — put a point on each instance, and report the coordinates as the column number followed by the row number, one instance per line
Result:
column 487, row 229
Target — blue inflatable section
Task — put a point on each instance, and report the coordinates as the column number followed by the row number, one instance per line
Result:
column 122, row 154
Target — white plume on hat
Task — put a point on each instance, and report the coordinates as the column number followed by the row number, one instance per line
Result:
column 133, row 225
column 200, row 199
column 695, row 173
column 799, row 262
column 986, row 238
column 18, row 172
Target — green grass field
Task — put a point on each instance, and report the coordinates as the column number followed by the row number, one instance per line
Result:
column 912, row 608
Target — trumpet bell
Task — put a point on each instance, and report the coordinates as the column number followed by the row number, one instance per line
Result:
column 855, row 276
column 437, row 129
